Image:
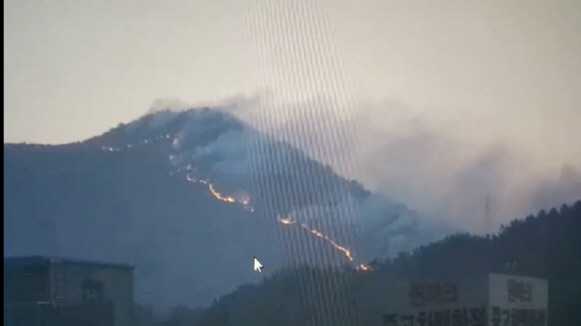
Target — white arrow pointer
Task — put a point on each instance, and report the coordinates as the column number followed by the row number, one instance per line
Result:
column 257, row 266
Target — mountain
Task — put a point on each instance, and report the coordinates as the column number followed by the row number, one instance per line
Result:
column 546, row 245
column 190, row 197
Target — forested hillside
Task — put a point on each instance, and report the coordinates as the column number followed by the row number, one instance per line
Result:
column 190, row 197
column 547, row 245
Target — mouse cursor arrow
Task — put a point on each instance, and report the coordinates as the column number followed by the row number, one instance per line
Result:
column 257, row 266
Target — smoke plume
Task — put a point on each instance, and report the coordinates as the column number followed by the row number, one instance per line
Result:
column 457, row 170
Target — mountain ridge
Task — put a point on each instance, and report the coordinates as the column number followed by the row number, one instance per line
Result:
column 545, row 245
column 151, row 189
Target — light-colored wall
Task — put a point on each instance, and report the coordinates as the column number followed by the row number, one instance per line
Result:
column 470, row 299
column 499, row 295
column 483, row 298
column 536, row 297
column 117, row 287
column 395, row 298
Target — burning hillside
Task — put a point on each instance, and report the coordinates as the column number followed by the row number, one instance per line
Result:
column 170, row 184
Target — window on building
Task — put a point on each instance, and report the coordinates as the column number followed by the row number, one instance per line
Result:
column 92, row 290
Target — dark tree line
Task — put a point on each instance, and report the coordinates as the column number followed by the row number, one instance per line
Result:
column 547, row 245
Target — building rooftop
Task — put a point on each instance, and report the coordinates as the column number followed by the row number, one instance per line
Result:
column 22, row 261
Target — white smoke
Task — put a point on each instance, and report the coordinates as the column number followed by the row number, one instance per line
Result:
column 236, row 155
column 169, row 104
column 436, row 165
column 457, row 170
column 383, row 228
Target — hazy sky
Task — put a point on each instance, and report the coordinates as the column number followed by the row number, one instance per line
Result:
column 453, row 100
column 450, row 94
column 76, row 68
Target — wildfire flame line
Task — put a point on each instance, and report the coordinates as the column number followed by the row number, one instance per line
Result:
column 244, row 202
column 347, row 252
column 219, row 195
column 141, row 142
column 284, row 221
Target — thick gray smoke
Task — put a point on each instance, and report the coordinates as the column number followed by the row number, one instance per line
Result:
column 384, row 227
column 457, row 170
column 453, row 174
column 372, row 227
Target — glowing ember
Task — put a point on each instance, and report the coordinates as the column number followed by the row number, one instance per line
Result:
column 245, row 202
column 286, row 220
column 143, row 141
column 289, row 221
column 363, row 267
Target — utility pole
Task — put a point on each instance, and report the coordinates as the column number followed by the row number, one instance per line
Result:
column 488, row 231
column 487, row 217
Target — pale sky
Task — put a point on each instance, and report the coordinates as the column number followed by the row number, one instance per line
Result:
column 476, row 72
column 74, row 69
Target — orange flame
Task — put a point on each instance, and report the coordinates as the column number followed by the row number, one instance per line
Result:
column 143, row 141
column 289, row 221
column 219, row 196
column 244, row 201
column 286, row 221
column 363, row 267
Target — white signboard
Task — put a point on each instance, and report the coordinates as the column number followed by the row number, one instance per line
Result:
column 496, row 300
column 442, row 303
column 517, row 300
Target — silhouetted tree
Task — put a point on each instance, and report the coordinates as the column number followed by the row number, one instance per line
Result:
column 547, row 245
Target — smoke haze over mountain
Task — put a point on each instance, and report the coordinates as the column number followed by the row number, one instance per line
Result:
column 319, row 132
column 448, row 168
column 194, row 192
column 162, row 182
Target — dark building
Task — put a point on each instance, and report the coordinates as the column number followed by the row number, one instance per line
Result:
column 40, row 290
